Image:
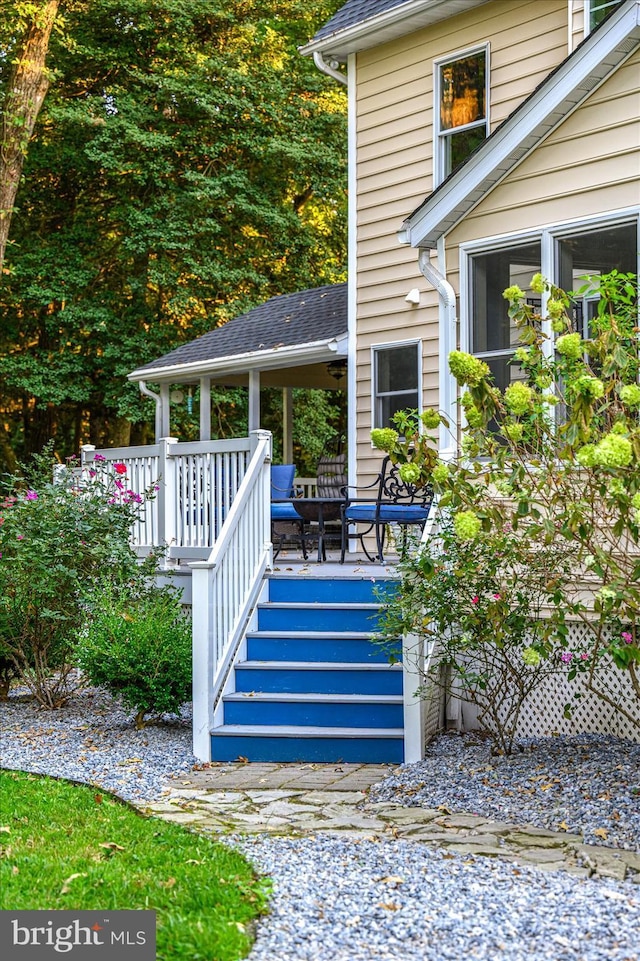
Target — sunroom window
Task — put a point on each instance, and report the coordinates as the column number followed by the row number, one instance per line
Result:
column 590, row 254
column 462, row 109
column 493, row 336
column 583, row 252
column 396, row 377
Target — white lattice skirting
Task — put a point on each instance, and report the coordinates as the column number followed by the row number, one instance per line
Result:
column 543, row 712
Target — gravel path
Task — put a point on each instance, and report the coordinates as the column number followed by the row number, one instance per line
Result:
column 587, row 784
column 340, row 899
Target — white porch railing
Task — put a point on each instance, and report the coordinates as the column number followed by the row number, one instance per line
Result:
column 225, row 588
column 196, row 485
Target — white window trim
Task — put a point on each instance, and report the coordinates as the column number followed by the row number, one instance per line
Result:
column 588, row 5
column 414, row 341
column 438, row 145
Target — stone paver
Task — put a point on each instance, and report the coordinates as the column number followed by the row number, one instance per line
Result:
column 299, row 799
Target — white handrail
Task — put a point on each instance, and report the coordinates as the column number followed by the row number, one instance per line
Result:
column 226, row 586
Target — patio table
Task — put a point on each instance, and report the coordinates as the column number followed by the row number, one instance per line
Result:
column 318, row 510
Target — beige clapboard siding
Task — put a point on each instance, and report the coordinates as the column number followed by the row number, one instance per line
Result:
column 577, row 24
column 589, row 165
column 394, row 132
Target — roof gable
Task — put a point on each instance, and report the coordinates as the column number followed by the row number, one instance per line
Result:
column 562, row 92
column 316, row 316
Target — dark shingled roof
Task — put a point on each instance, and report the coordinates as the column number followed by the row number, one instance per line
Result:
column 286, row 321
column 354, row 12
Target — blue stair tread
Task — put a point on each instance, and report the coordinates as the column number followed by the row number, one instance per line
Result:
column 318, row 666
column 313, row 635
column 289, row 730
column 320, row 605
column 314, row 697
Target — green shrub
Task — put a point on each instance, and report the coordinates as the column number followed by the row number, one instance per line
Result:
column 137, row 644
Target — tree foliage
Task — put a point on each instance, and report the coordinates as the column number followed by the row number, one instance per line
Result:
column 187, row 164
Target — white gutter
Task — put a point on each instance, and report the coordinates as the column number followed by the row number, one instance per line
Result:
column 271, row 359
column 447, row 341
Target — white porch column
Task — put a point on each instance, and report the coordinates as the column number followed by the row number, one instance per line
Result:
column 287, row 425
column 165, row 424
column 254, row 400
column 205, row 408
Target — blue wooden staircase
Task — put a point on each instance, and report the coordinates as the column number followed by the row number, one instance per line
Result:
column 313, row 686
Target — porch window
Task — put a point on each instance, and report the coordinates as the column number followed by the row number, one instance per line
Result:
column 597, row 10
column 493, row 337
column 461, row 117
column 396, row 378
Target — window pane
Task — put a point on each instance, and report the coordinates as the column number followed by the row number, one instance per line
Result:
column 397, row 369
column 491, row 328
column 389, row 405
column 600, row 9
column 459, row 146
column 462, row 91
column 396, row 382
column 594, row 253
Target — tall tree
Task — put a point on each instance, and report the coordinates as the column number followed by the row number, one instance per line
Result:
column 187, row 164
column 25, row 90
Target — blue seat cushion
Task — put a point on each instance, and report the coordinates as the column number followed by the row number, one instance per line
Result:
column 387, row 513
column 284, row 511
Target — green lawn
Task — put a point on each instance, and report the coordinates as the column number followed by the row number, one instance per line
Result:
column 72, row 847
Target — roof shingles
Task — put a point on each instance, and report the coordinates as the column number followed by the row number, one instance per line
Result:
column 354, row 12
column 286, row 321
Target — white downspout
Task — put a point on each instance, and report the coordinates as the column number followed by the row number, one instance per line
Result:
column 447, row 341
column 328, row 68
column 156, row 397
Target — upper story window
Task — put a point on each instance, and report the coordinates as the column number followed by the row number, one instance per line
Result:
column 597, row 10
column 396, row 379
column 462, row 114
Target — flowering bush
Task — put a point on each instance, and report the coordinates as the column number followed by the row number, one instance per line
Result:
column 56, row 538
column 410, row 445
column 482, row 594
column 556, row 460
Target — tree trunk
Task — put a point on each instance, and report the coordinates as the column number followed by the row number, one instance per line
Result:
column 26, row 89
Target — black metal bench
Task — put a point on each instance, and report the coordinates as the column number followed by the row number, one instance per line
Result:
column 388, row 500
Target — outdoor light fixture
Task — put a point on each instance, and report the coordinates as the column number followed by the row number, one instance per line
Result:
column 413, row 297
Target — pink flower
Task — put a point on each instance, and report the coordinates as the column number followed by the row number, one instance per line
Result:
column 99, row 457
column 567, row 657
column 20, row 537
column 584, row 657
column 475, row 600
column 627, row 637
column 31, row 495
column 497, row 597
column 120, row 468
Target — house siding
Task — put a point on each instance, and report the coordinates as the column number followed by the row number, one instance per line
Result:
column 394, row 135
column 590, row 165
